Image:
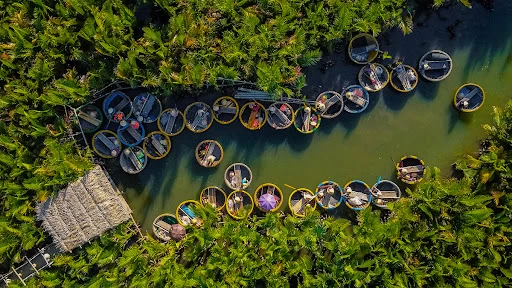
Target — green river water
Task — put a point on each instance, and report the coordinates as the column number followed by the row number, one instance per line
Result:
column 421, row 123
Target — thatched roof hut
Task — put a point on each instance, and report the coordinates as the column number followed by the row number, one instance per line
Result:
column 84, row 210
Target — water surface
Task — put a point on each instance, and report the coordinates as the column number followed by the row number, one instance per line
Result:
column 421, row 123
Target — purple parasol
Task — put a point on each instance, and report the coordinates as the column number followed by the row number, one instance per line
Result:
column 267, row 202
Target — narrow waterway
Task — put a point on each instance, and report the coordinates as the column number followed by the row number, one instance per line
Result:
column 421, row 123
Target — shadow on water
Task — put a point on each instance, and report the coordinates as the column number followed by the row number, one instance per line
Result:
column 476, row 32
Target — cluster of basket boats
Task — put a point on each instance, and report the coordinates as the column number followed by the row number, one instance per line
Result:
column 268, row 197
column 131, row 115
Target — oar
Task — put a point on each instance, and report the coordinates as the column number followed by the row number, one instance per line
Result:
column 375, row 185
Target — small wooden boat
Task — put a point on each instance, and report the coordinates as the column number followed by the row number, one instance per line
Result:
column 133, row 160
column 106, row 144
column 117, row 106
column 238, row 176
column 240, row 204
column 213, row 196
column 156, row 145
column 329, row 104
column 373, row 77
column 329, row 195
column 299, row 200
column 187, row 213
column 435, row 65
column 404, row 78
column 130, row 132
column 171, row 122
column 356, row 99
column 280, row 115
column 385, row 192
column 363, row 48
column 163, row 226
column 89, row 118
column 225, row 110
column 307, row 120
column 268, row 197
column 209, row 153
column 411, row 169
column 358, row 195
column 147, row 108
column 469, row 97
column 253, row 115
column 198, row 116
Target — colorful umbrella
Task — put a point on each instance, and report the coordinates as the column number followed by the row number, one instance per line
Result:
column 267, row 202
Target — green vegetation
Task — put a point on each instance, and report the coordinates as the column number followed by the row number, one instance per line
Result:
column 446, row 233
column 53, row 53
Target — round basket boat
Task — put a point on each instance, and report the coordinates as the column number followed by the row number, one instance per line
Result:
column 356, row 99
column 373, row 77
column 280, row 115
column 329, row 195
column 198, row 116
column 187, row 213
column 165, row 230
column 268, row 197
column 131, row 132
column 146, row 108
column 253, row 115
column 89, row 117
column 469, row 98
column 133, row 160
column 435, row 65
column 363, row 48
column 106, row 144
column 117, row 106
column 156, row 145
column 171, row 122
column 404, row 78
column 225, row 110
column 240, row 204
column 385, row 192
column 214, row 196
column 238, row 176
column 411, row 169
column 209, row 153
column 358, row 195
column 329, row 104
column 299, row 200
column 307, row 120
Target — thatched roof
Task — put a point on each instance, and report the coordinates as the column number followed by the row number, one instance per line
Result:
column 85, row 209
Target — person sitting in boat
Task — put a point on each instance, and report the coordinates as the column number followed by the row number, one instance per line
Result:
column 233, row 178
column 411, row 75
column 245, row 183
column 210, row 159
column 118, row 116
column 314, row 120
column 277, row 198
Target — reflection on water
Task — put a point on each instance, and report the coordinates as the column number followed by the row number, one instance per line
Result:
column 349, row 147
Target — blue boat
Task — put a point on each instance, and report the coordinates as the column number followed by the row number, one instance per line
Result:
column 329, row 195
column 131, row 132
column 356, row 99
column 117, row 106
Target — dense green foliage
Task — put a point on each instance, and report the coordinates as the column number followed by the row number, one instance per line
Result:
column 52, row 53
column 446, row 233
